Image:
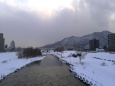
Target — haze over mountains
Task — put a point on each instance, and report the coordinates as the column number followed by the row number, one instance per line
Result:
column 83, row 41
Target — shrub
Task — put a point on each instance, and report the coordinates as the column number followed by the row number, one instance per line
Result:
column 74, row 55
column 29, row 52
column 79, row 55
column 19, row 54
column 103, row 64
column 113, row 63
column 5, row 61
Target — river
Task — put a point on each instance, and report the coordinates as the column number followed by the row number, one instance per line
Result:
column 48, row 72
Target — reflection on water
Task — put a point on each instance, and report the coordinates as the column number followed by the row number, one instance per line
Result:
column 49, row 61
column 48, row 72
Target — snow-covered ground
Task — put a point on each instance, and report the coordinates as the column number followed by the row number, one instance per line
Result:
column 9, row 63
column 97, row 69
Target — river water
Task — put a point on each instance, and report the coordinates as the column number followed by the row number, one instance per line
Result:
column 48, row 72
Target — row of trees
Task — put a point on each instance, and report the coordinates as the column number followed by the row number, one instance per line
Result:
column 59, row 49
column 29, row 52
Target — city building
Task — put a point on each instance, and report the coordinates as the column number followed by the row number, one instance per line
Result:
column 93, row 44
column 111, row 42
column 1, row 42
column 12, row 46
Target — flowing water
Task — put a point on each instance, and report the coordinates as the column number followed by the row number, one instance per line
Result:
column 48, row 72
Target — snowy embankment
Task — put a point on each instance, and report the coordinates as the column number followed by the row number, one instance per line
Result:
column 96, row 69
column 10, row 63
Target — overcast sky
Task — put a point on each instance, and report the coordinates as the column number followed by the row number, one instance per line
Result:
column 40, row 22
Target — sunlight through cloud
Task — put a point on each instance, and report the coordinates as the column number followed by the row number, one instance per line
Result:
column 44, row 7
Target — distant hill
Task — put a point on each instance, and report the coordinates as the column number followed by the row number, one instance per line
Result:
column 83, row 41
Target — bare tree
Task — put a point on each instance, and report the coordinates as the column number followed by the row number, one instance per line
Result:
column 80, row 56
column 59, row 49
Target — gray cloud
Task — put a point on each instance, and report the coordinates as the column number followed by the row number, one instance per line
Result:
column 29, row 29
column 101, row 11
column 21, row 26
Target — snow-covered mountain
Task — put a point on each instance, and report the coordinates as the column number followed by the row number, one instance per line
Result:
column 83, row 41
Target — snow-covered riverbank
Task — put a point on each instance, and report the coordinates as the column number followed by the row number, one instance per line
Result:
column 10, row 63
column 97, row 69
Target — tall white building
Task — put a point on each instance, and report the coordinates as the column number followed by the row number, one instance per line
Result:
column 12, row 46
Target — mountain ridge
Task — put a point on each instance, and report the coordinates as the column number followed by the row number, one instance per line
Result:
column 83, row 41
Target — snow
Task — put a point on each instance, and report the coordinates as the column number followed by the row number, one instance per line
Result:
column 96, row 69
column 9, row 63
